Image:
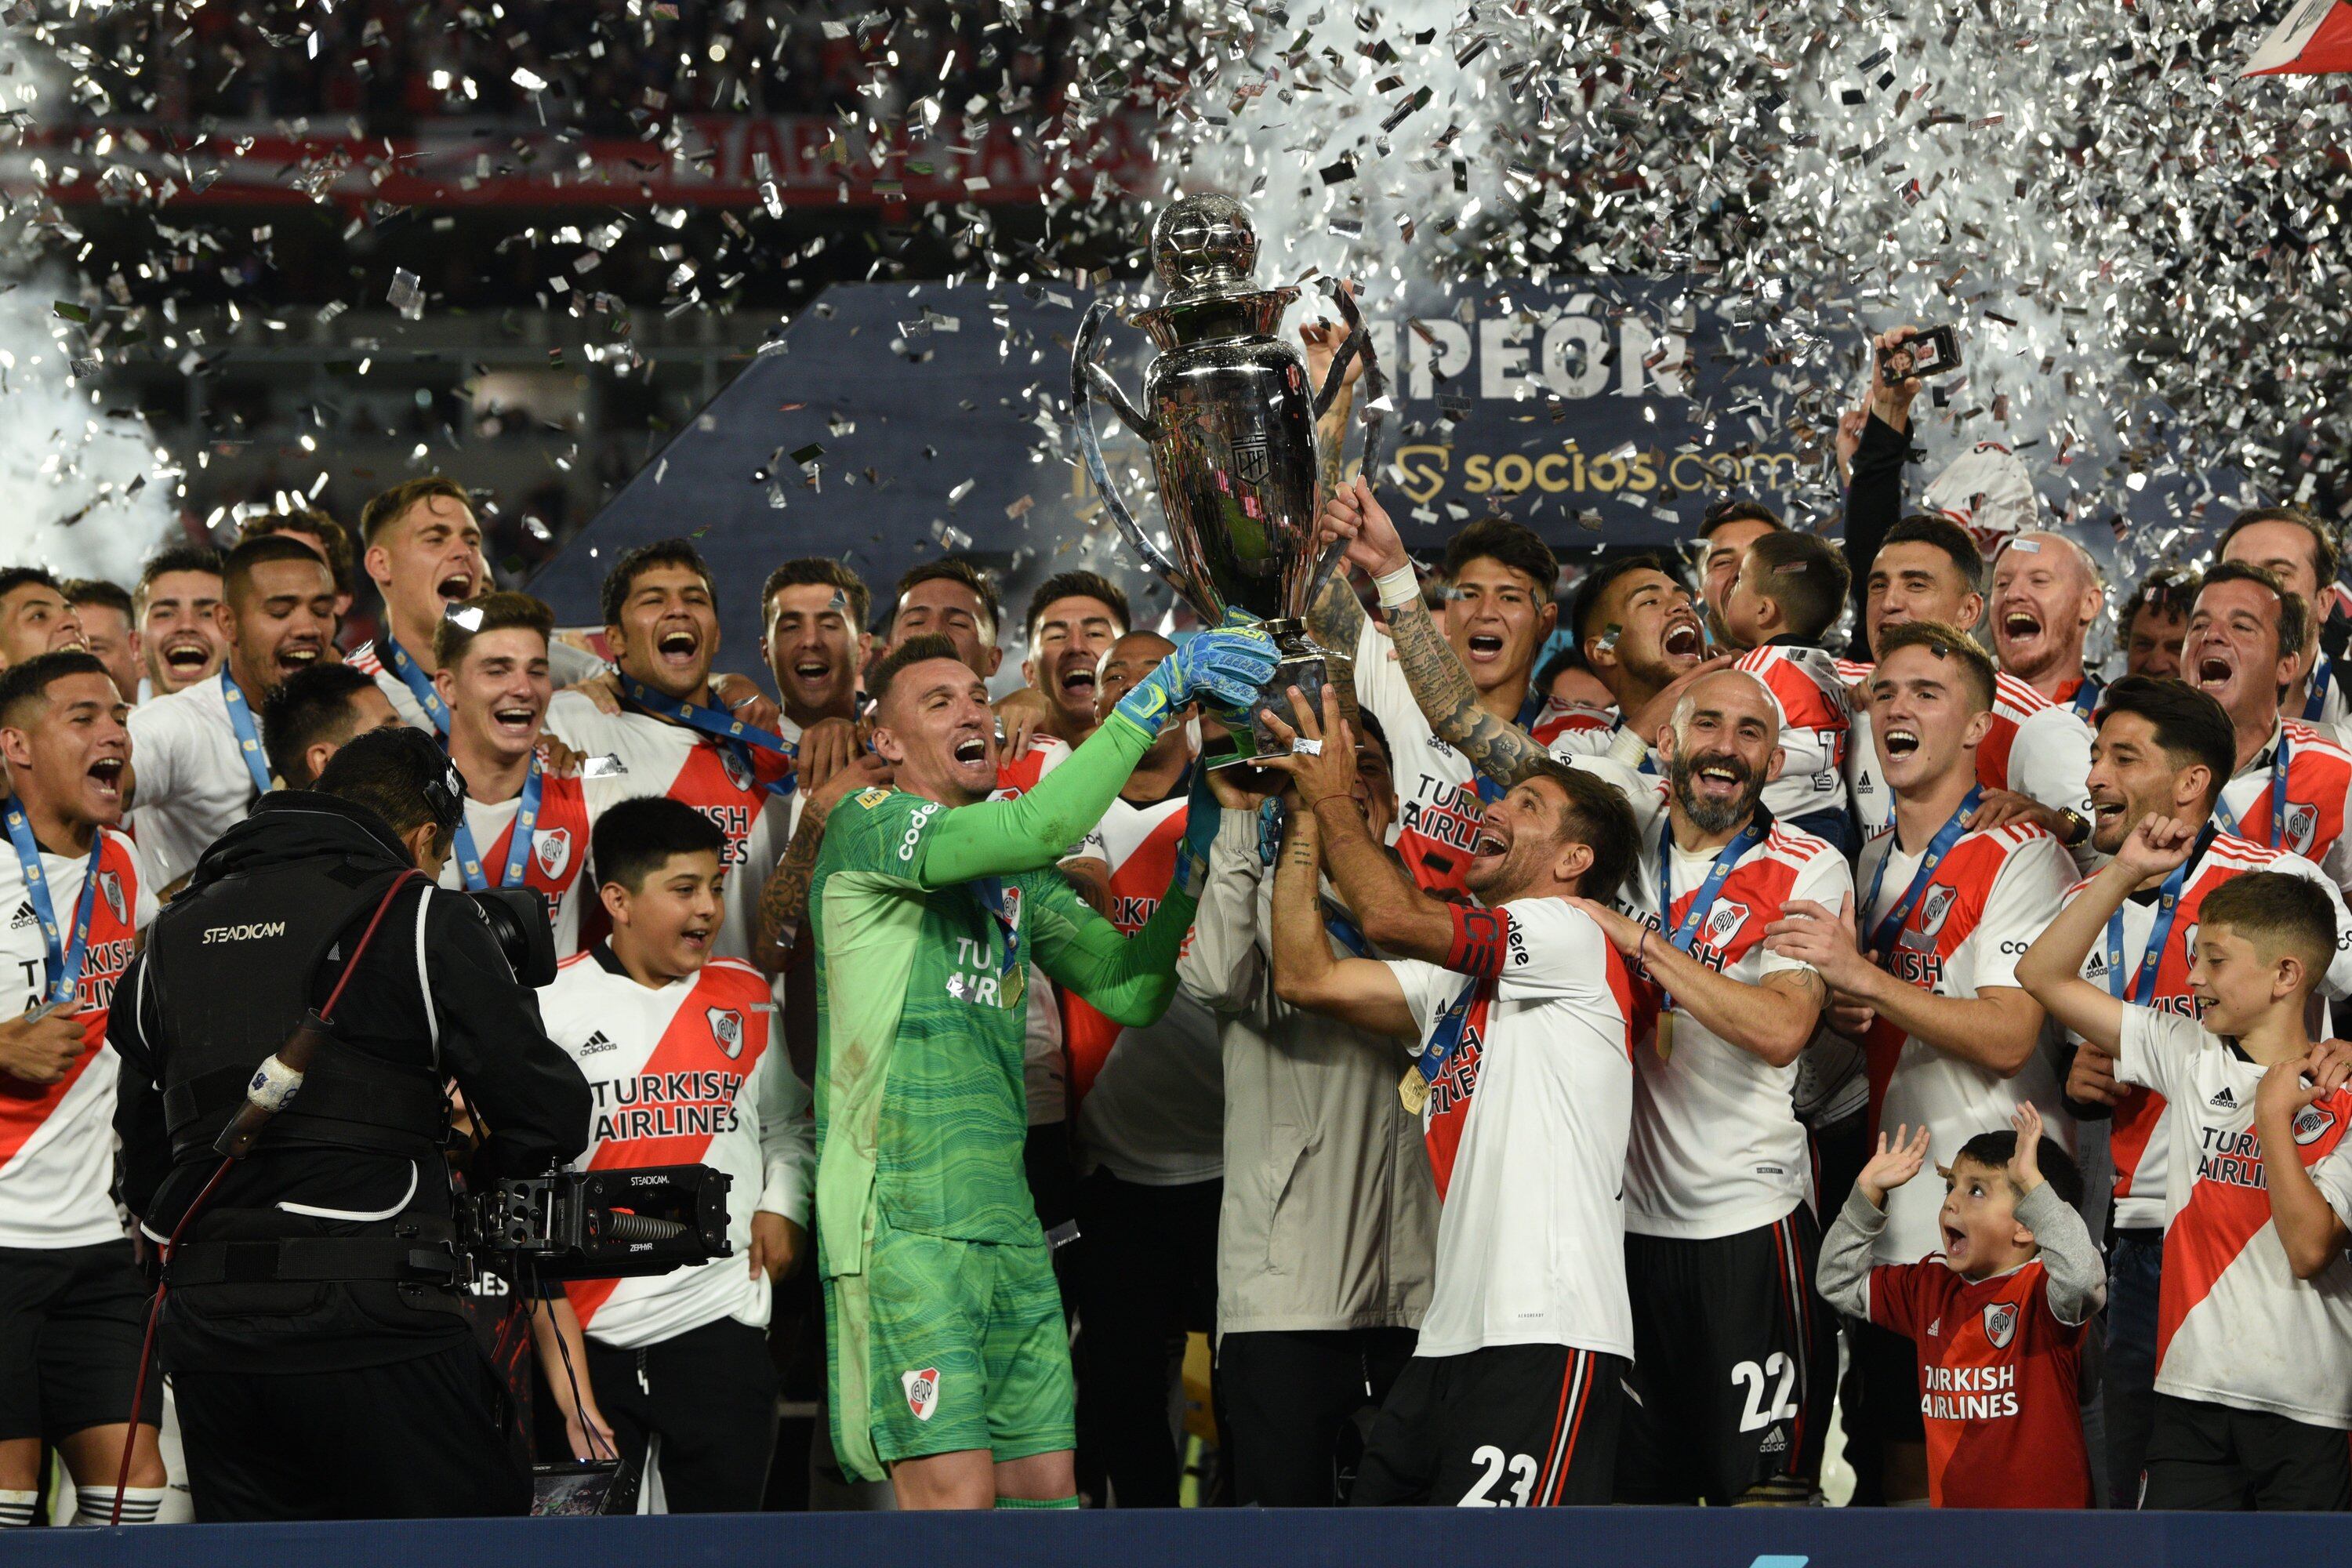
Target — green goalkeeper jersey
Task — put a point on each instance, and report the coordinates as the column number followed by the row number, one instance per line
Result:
column 927, row 918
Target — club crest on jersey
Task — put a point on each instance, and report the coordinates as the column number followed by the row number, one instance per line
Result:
column 1724, row 922
column 922, row 1391
column 2000, row 1323
column 727, row 1028
column 739, row 772
column 2311, row 1122
column 553, row 849
column 1935, row 907
column 2302, row 822
column 109, row 887
column 2188, row 943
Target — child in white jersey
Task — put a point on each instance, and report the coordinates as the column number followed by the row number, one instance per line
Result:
column 2253, row 1376
column 681, row 1054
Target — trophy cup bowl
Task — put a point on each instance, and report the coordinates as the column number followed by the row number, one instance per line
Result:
column 1230, row 420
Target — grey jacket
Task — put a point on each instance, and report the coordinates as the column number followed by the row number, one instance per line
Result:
column 1331, row 1212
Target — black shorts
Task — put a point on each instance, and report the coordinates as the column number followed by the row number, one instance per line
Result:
column 70, row 1321
column 2206, row 1455
column 1882, row 1381
column 1735, row 1363
column 1506, row 1426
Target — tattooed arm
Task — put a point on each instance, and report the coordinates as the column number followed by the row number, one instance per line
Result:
column 783, row 902
column 1335, row 618
column 1441, row 687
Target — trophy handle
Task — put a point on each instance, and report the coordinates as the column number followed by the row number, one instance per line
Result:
column 1376, row 383
column 1087, row 375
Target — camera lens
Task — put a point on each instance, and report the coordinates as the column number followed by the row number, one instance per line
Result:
column 518, row 918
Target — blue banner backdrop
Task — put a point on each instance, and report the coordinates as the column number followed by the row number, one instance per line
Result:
column 894, row 422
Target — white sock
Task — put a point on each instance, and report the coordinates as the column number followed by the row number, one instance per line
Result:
column 17, row 1509
column 95, row 1505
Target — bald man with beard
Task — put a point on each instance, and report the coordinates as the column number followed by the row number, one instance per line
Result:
column 2046, row 597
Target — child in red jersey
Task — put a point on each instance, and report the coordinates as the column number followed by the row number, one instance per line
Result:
column 1998, row 1316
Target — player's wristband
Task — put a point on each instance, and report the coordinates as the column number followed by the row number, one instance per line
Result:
column 1398, row 588
column 1482, row 939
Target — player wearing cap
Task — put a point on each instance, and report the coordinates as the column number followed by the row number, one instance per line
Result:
column 1733, row 1363
column 524, row 826
column 2292, row 786
column 2163, row 750
column 682, row 1057
column 1522, row 1019
column 201, row 759
column 71, row 1300
column 946, row 1346
column 1930, row 948
column 671, row 736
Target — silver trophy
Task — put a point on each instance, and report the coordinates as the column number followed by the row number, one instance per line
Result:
column 1231, row 422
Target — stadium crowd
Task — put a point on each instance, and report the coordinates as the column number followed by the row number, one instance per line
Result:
column 1981, row 1050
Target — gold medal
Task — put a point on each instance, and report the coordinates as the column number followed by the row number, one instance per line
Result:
column 1667, row 1035
column 1412, row 1090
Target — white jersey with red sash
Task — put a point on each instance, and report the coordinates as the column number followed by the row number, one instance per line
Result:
column 1816, row 722
column 1717, row 1147
column 369, row 660
column 2301, row 806
column 1965, row 921
column 57, row 1140
column 1151, row 1101
column 2234, row 1326
column 1439, row 804
column 2139, row 1137
column 2036, row 748
column 1527, row 1038
column 657, row 757
column 682, row 1075
column 555, row 865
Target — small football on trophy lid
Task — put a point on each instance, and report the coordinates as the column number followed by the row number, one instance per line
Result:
column 1202, row 247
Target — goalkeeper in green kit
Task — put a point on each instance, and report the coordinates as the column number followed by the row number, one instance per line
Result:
column 947, row 1359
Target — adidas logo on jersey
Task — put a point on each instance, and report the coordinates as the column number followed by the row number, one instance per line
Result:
column 597, row 1042
column 2224, row 1100
column 1776, row 1441
column 24, row 917
column 1936, row 1328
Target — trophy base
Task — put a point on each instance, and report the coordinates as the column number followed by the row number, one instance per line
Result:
column 1309, row 668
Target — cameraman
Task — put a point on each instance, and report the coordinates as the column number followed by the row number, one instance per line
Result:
column 312, row 1327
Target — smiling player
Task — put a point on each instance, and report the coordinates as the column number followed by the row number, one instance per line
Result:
column 948, row 1355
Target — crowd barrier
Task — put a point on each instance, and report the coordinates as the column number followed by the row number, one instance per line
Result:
column 1227, row 1538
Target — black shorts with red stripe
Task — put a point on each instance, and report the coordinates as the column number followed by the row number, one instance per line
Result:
column 1504, row 1426
column 1735, row 1360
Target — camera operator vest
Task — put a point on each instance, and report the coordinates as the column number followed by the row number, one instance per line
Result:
column 233, row 965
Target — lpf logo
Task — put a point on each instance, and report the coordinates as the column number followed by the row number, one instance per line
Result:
column 1250, row 458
